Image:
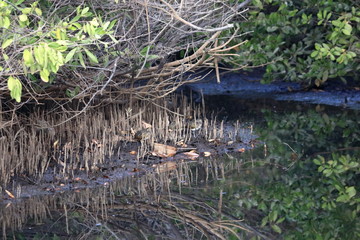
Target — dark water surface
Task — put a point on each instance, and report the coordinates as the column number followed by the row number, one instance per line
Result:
column 302, row 182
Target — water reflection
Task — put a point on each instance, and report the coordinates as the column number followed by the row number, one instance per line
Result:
column 302, row 183
column 155, row 206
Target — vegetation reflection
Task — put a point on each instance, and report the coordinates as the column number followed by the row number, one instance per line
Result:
column 309, row 187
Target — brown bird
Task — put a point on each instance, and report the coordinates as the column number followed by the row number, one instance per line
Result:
column 143, row 134
column 195, row 124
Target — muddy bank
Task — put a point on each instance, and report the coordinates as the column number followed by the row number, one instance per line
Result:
column 247, row 85
column 44, row 153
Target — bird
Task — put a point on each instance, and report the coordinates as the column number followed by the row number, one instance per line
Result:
column 195, row 124
column 143, row 134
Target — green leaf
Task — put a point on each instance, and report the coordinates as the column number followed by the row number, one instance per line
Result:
column 81, row 59
column 314, row 54
column 144, row 51
column 336, row 23
column 39, row 53
column 264, row 221
column 273, row 216
column 15, row 87
column 271, row 29
column 28, row 58
column 38, row 11
column 44, row 74
column 26, row 10
column 317, row 161
column 343, row 198
column 280, row 220
column 152, row 57
column 91, row 56
column 351, row 54
column 319, row 15
column 276, row 228
column 85, row 10
column 23, row 18
column 105, row 25
column 351, row 191
column 60, row 59
column 5, row 23
column 6, row 43
column 346, row 32
column 70, row 55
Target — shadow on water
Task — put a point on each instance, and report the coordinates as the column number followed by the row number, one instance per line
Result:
column 302, row 182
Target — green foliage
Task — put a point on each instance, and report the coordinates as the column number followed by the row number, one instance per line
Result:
column 15, row 87
column 49, row 42
column 314, row 198
column 306, row 41
column 307, row 187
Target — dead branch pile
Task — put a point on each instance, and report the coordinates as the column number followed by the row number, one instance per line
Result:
column 155, row 42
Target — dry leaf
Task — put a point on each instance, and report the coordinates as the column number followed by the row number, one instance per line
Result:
column 241, row 150
column 162, row 150
column 207, row 154
column 96, row 143
column 181, row 143
column 10, row 194
column 145, row 125
column 191, row 155
column 56, row 143
column 165, row 167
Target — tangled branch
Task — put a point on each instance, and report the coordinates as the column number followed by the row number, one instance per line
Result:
column 151, row 45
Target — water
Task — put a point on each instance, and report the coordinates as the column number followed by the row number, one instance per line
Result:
column 300, row 182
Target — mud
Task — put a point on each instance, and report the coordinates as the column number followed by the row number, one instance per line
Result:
column 247, row 85
column 86, row 154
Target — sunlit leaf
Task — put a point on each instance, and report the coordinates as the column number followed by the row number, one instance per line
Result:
column 70, row 55
column 15, row 87
column 23, row 18
column 28, row 58
column 7, row 43
column 38, row 11
column 85, row 10
column 44, row 74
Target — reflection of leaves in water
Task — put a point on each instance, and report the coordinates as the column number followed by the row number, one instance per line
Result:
column 308, row 133
column 309, row 201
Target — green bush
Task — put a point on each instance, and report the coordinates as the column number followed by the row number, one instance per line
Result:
column 36, row 42
column 315, row 193
column 306, row 41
